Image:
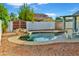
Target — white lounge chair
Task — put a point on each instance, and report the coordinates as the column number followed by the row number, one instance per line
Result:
column 68, row 34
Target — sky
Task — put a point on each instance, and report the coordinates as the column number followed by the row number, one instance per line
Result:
column 51, row 9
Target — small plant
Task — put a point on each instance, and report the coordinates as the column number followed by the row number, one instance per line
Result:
column 26, row 38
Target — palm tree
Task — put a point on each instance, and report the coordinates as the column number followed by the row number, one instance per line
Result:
column 4, row 16
column 26, row 13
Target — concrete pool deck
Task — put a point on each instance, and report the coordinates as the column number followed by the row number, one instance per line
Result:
column 55, row 49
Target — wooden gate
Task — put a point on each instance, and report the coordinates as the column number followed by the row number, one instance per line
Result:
column 19, row 24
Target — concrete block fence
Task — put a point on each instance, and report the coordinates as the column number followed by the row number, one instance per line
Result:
column 34, row 25
column 37, row 25
column 40, row 25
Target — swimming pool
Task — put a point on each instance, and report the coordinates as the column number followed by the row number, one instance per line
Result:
column 41, row 37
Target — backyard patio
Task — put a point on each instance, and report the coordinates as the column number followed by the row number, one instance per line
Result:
column 56, row 49
column 30, row 24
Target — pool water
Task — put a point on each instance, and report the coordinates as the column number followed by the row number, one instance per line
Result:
column 41, row 37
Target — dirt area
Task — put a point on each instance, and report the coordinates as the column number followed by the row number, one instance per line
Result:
column 57, row 49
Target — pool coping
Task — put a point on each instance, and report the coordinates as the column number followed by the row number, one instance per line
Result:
column 15, row 39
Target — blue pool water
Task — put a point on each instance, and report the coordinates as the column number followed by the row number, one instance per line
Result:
column 41, row 37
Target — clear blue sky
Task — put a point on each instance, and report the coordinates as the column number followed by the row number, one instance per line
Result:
column 51, row 9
